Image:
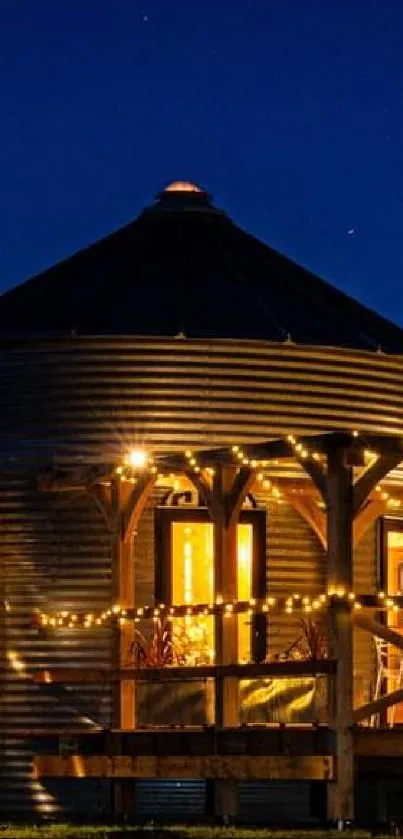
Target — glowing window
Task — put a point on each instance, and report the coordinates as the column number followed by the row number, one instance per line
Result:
column 185, row 576
column 192, row 570
column 244, row 583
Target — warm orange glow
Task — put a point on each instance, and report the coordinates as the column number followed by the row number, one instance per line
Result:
column 193, row 582
column 182, row 186
column 244, row 583
column 15, row 661
column 78, row 766
column 137, row 458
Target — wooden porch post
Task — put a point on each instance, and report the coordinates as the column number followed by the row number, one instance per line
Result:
column 224, row 499
column 123, row 696
column 340, row 573
column 225, row 575
column 226, row 627
column 123, row 594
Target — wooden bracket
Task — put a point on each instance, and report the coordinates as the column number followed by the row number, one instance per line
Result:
column 313, row 515
column 235, row 497
column 102, row 497
column 365, row 517
column 203, row 487
column 317, row 475
column 378, row 705
column 380, row 630
column 371, row 477
column 135, row 505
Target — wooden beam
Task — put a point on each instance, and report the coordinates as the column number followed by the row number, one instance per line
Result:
column 378, row 705
column 340, row 573
column 272, row 669
column 138, row 498
column 101, row 496
column 127, row 502
column 378, row 742
column 78, row 478
column 241, row 484
column 380, row 630
column 230, row 767
column 308, row 509
column 123, row 712
column 305, row 488
column 230, row 486
column 203, row 487
column 371, row 477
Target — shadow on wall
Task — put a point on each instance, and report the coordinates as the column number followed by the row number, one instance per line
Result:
column 263, row 701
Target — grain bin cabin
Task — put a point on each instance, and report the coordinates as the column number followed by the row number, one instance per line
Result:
column 201, row 533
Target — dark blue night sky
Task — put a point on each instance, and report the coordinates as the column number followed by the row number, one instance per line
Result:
column 289, row 112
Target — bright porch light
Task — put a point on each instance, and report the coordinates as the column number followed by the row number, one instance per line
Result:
column 137, row 458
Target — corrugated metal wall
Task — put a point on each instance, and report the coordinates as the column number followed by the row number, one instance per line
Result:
column 296, row 562
column 55, row 554
column 87, row 397
column 84, row 400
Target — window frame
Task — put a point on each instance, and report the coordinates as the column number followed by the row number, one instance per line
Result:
column 165, row 516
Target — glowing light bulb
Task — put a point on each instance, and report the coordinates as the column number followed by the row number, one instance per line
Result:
column 137, row 458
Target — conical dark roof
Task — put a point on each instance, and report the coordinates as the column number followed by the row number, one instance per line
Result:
column 183, row 267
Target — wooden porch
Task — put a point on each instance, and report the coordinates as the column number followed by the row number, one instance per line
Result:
column 264, row 753
column 227, row 750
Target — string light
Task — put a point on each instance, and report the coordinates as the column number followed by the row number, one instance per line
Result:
column 138, row 459
column 286, row 604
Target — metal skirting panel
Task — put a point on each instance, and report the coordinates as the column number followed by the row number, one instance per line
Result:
column 161, row 800
column 379, row 801
column 54, row 555
column 273, row 802
column 85, row 398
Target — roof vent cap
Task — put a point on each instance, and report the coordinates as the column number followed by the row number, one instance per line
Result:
column 182, row 186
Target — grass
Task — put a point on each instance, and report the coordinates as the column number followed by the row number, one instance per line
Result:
column 68, row 831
